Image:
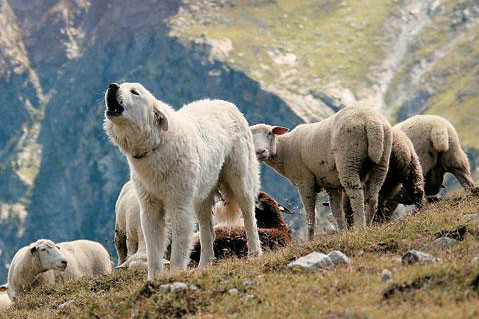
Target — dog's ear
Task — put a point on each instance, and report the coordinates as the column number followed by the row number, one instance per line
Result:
column 160, row 119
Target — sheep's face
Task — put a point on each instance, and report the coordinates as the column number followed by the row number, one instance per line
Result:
column 46, row 255
column 264, row 137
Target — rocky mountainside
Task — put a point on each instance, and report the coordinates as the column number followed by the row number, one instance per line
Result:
column 280, row 61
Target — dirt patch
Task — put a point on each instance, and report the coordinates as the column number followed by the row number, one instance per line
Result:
column 457, row 233
column 390, row 246
column 416, row 284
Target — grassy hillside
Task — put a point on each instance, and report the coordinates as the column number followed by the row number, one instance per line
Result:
column 402, row 56
column 267, row 289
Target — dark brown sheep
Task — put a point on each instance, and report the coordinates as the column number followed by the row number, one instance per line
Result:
column 231, row 241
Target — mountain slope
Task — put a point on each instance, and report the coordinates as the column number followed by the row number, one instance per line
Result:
column 266, row 288
column 281, row 62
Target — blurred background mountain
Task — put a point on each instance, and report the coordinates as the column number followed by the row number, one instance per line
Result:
column 281, row 61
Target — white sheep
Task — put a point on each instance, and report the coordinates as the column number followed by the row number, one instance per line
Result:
column 178, row 159
column 349, row 150
column 5, row 301
column 404, row 181
column 439, row 150
column 129, row 239
column 44, row 262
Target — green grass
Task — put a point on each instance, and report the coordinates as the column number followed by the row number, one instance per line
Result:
column 443, row 290
column 334, row 41
column 453, row 77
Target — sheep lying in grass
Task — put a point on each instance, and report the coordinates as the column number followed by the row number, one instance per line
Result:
column 231, row 240
column 44, row 262
column 178, row 159
column 349, row 150
column 404, row 183
column 5, row 301
column 129, row 240
column 437, row 145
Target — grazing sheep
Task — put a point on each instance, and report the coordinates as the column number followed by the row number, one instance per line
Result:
column 349, row 150
column 5, row 301
column 178, row 159
column 437, row 145
column 44, row 262
column 231, row 241
column 404, row 183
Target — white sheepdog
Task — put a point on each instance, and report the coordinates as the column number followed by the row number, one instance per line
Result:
column 178, row 159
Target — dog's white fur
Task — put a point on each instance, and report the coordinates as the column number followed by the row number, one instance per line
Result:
column 185, row 156
column 44, row 262
column 330, row 155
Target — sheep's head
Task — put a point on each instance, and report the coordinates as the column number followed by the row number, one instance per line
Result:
column 46, row 255
column 265, row 137
column 134, row 118
column 268, row 213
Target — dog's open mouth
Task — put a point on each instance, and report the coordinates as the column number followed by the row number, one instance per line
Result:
column 114, row 108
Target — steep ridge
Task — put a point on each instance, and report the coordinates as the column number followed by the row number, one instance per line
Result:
column 80, row 172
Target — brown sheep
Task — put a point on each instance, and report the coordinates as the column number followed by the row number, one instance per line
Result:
column 231, row 241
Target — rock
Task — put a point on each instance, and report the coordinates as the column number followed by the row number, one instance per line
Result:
column 247, row 297
column 414, row 256
column 233, row 291
column 177, row 286
column 386, row 276
column 312, row 262
column 472, row 217
column 442, row 243
column 249, row 283
column 65, row 304
column 339, row 258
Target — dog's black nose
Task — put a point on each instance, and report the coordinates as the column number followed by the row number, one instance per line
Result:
column 113, row 86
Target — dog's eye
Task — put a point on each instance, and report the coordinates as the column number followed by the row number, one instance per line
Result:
column 134, row 92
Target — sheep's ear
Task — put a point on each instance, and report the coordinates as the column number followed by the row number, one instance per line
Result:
column 3, row 288
column 160, row 119
column 33, row 249
column 279, row 130
column 259, row 205
column 285, row 210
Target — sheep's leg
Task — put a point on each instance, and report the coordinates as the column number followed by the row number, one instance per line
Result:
column 181, row 217
column 153, row 225
column 335, row 200
column 308, row 197
column 464, row 177
column 121, row 246
column 207, row 233
column 351, row 182
column 348, row 212
column 375, row 180
column 433, row 181
column 132, row 246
